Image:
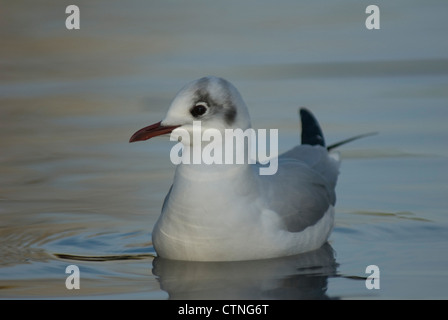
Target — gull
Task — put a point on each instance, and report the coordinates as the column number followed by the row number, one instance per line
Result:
column 229, row 212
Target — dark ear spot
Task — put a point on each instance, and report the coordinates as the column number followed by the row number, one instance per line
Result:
column 221, row 105
column 229, row 115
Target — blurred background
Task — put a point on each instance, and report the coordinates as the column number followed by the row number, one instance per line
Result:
column 74, row 191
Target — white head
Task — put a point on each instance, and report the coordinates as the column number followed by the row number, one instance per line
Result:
column 212, row 100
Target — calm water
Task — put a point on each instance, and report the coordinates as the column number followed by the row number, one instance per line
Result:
column 74, row 191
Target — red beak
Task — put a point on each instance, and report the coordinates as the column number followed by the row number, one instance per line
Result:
column 151, row 131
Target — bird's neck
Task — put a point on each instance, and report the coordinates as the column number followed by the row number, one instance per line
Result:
column 215, row 172
column 210, row 176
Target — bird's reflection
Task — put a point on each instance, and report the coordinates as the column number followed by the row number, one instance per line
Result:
column 301, row 276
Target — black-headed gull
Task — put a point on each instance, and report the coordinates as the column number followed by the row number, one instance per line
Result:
column 229, row 212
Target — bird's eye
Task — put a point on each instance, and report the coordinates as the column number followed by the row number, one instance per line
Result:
column 198, row 110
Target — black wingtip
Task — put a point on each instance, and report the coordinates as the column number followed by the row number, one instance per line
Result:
column 340, row 143
column 311, row 131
